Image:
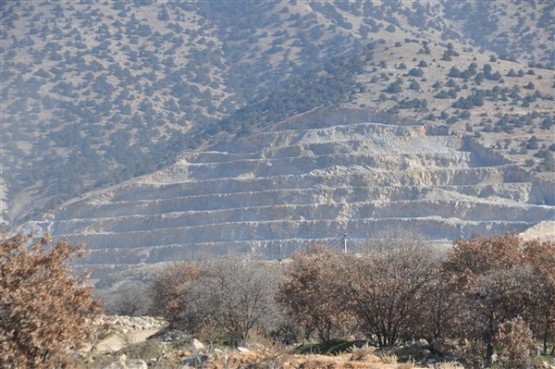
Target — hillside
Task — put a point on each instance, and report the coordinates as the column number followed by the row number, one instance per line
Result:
column 94, row 93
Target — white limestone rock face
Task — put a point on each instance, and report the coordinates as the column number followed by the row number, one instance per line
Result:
column 303, row 182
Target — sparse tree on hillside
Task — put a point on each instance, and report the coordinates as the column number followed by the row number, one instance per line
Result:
column 46, row 314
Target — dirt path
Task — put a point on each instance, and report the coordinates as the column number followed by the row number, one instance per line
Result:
column 115, row 341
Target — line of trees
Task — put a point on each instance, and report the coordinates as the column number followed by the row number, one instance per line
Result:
column 480, row 297
column 476, row 298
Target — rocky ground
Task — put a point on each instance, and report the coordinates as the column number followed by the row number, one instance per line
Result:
column 144, row 342
column 124, row 331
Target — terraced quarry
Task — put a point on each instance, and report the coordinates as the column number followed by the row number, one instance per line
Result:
column 306, row 181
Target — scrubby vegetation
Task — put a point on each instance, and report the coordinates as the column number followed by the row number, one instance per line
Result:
column 482, row 297
column 469, row 301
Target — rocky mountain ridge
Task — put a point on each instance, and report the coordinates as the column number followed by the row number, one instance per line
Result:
column 94, row 93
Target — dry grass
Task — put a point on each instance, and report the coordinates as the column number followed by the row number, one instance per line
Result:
column 388, row 359
column 361, row 353
column 448, row 365
column 408, row 365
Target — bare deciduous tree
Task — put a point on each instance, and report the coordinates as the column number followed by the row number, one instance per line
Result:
column 168, row 293
column 46, row 314
column 131, row 299
column 439, row 313
column 226, row 298
column 234, row 296
column 496, row 297
column 388, row 287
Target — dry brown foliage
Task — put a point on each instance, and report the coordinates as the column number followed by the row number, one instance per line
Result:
column 541, row 258
column 516, row 345
column 46, row 314
column 313, row 292
column 471, row 258
column 498, row 279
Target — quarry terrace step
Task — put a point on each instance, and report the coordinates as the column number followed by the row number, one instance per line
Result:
column 337, row 173
column 337, row 176
column 297, row 165
column 422, row 146
column 320, row 193
column 468, row 210
column 379, row 134
column 275, row 248
column 517, row 191
column 439, row 228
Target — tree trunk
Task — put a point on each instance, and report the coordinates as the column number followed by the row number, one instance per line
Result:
column 489, row 354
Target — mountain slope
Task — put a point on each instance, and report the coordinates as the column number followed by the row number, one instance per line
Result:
column 98, row 92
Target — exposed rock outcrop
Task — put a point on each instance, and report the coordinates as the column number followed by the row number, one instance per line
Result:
column 294, row 185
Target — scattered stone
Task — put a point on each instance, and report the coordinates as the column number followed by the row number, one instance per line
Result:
column 173, row 336
column 198, row 346
column 440, row 348
column 125, row 324
column 128, row 364
column 242, row 349
column 195, row 362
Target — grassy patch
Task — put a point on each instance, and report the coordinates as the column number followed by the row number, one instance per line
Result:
column 332, row 347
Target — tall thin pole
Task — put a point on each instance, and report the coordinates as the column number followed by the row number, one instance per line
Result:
column 345, row 241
